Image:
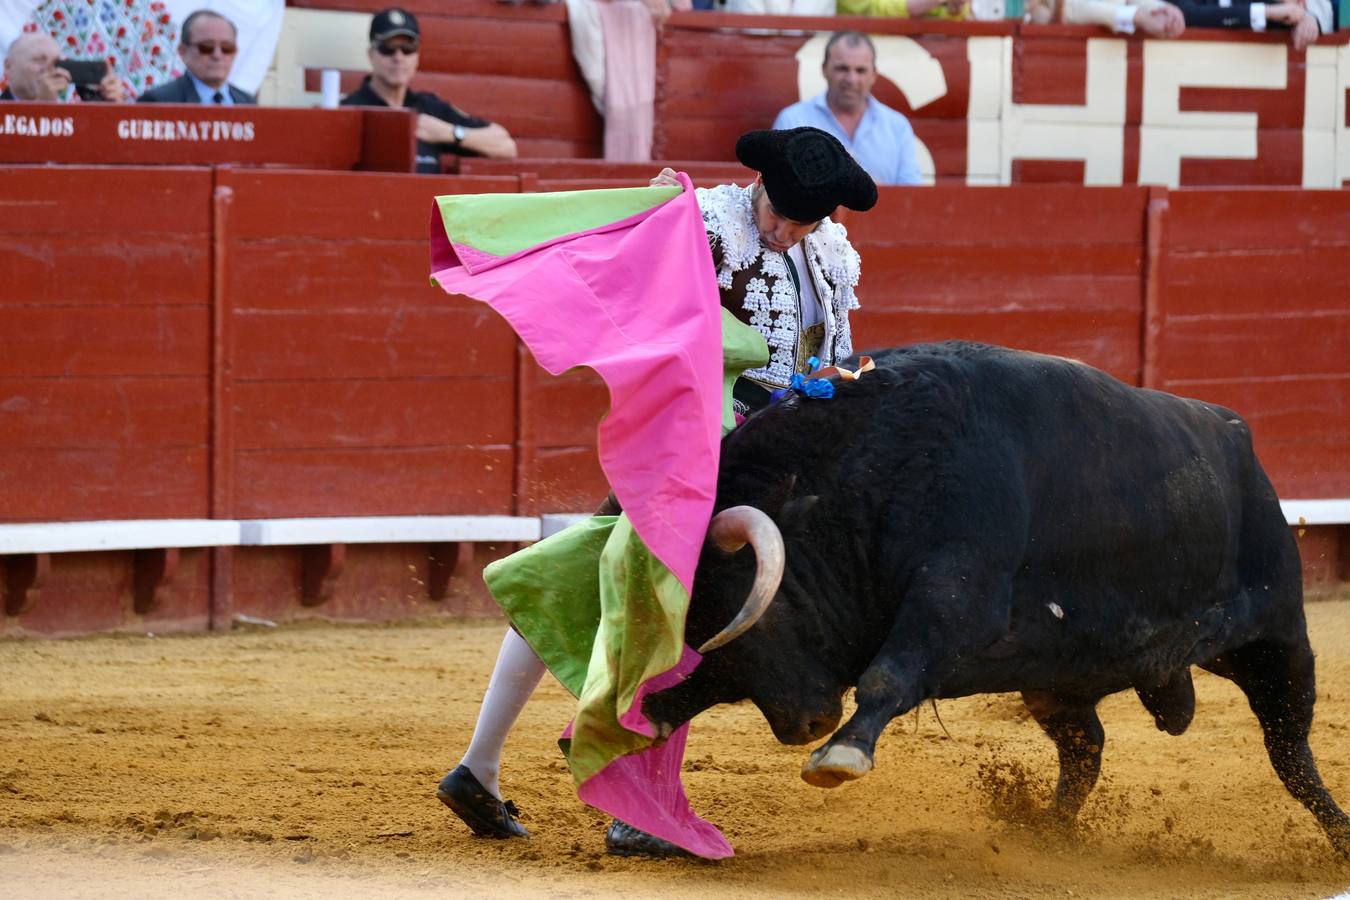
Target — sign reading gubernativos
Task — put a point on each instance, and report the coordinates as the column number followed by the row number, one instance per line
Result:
column 183, row 130
column 191, row 134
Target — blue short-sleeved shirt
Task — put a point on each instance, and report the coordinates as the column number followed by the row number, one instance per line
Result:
column 883, row 144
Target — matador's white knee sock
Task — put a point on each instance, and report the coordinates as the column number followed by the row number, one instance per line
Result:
column 514, row 679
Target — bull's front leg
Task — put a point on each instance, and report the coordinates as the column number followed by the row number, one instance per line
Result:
column 890, row 687
column 948, row 618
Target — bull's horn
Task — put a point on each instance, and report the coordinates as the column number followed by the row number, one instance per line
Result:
column 732, row 529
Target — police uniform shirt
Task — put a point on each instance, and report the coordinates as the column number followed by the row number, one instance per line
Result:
column 428, row 155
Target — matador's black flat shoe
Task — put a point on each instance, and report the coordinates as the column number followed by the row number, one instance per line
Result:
column 623, row 839
column 474, row 804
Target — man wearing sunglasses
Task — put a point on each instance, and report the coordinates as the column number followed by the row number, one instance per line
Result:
column 395, row 47
column 207, row 47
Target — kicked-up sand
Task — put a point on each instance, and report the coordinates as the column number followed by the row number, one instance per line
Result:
column 303, row 761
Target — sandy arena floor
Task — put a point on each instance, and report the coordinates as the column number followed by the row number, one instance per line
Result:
column 302, row 762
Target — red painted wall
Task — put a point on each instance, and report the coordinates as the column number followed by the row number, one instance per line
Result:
column 251, row 343
column 1254, row 315
column 355, row 387
column 105, row 308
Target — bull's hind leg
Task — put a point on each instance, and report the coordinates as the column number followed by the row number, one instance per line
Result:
column 1078, row 736
column 1279, row 683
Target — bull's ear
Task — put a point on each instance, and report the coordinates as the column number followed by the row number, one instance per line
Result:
column 797, row 509
column 778, row 496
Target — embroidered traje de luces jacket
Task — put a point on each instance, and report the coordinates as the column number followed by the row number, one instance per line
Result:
column 756, row 288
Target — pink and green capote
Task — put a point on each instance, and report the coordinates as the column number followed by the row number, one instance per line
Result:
column 620, row 281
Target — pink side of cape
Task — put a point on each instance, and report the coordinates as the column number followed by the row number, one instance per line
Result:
column 637, row 302
column 644, row 789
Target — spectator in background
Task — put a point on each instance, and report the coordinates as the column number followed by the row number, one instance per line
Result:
column 778, row 7
column 878, row 137
column 1149, row 18
column 614, row 44
column 395, row 45
column 207, row 47
column 1305, row 20
column 906, row 9
column 32, row 73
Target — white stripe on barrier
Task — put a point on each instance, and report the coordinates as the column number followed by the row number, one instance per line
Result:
column 1316, row 512
column 136, row 534
column 148, row 534
column 388, row 530
column 552, row 523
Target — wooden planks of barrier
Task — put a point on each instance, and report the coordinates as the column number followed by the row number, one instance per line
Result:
column 106, row 307
column 704, row 173
column 359, row 389
column 1253, row 318
column 258, row 343
column 191, row 134
column 1049, row 268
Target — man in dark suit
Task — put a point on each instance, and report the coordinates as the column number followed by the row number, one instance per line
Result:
column 207, row 48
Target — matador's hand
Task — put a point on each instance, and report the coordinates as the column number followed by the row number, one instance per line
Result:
column 665, row 179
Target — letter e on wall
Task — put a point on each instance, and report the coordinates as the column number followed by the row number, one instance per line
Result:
column 1093, row 132
column 1167, row 135
column 1326, row 141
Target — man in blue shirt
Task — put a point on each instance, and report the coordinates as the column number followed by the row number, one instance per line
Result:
column 880, row 139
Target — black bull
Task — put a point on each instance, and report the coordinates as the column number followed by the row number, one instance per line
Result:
column 971, row 519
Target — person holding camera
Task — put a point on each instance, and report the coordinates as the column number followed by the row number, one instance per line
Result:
column 35, row 72
column 207, row 45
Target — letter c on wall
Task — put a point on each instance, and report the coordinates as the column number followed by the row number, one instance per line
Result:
column 910, row 67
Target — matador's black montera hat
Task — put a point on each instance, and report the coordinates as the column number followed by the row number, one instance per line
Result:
column 806, row 172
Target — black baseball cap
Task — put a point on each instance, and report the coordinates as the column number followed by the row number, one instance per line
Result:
column 393, row 22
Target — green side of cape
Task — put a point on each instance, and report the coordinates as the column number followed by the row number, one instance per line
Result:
column 600, row 610
column 503, row 224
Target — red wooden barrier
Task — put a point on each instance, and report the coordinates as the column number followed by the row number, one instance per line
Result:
column 703, row 172
column 251, row 343
column 1254, row 316
column 1052, row 269
column 558, row 469
column 105, row 309
column 191, row 134
column 358, row 388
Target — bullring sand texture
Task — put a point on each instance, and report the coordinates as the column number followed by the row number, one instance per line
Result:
column 302, row 762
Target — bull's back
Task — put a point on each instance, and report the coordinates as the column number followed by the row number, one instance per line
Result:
column 1142, row 520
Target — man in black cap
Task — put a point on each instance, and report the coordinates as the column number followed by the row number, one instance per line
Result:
column 395, row 47
column 783, row 268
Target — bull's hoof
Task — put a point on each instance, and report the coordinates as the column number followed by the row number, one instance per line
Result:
column 833, row 764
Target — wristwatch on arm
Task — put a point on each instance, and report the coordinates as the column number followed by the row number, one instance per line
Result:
column 459, row 133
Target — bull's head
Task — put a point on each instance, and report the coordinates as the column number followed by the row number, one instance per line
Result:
column 757, row 645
